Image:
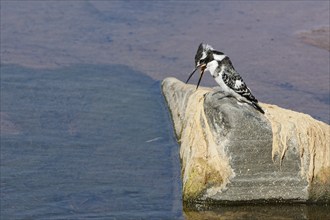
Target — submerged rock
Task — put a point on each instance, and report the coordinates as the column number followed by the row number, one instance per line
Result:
column 232, row 153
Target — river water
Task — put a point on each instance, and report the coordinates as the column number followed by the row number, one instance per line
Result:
column 85, row 142
column 85, row 132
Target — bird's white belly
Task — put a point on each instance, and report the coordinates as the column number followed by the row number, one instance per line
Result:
column 212, row 67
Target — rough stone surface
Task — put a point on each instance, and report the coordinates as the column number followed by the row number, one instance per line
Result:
column 231, row 153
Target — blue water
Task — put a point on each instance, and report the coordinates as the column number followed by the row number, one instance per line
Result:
column 89, row 142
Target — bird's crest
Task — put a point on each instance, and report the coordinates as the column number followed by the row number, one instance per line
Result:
column 206, row 47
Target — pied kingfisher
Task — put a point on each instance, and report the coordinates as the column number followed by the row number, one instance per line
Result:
column 224, row 73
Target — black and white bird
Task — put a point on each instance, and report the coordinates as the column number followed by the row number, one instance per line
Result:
column 224, row 73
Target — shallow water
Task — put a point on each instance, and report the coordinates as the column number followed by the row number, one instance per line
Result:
column 89, row 141
column 261, row 212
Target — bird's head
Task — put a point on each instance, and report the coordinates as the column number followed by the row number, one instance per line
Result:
column 204, row 55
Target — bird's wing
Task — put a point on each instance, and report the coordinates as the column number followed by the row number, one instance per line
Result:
column 234, row 81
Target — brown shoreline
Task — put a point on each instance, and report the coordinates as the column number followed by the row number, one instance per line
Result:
column 319, row 37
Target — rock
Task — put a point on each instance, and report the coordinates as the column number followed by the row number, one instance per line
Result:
column 232, row 153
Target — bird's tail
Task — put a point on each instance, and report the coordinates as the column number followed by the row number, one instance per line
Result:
column 257, row 106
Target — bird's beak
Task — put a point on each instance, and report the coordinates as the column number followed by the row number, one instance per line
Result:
column 192, row 74
column 203, row 67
